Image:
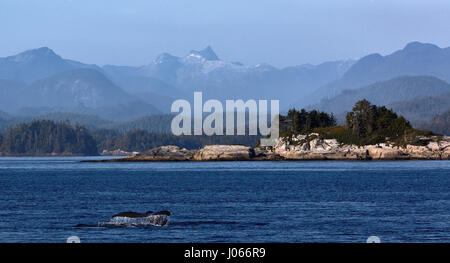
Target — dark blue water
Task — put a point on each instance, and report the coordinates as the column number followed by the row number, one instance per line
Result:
column 42, row 199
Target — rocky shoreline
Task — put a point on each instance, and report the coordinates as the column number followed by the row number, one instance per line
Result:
column 298, row 148
column 3, row 154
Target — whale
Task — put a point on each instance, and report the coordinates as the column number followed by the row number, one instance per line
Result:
column 130, row 218
column 131, row 214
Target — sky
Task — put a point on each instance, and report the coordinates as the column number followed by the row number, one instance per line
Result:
column 278, row 32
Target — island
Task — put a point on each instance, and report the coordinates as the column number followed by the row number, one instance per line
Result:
column 370, row 133
column 437, row 148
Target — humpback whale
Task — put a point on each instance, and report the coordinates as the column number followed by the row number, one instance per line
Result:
column 131, row 214
column 131, row 218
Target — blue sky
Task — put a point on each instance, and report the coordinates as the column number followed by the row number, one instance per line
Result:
column 279, row 32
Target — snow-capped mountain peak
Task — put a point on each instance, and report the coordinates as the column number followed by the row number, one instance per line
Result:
column 164, row 58
column 207, row 54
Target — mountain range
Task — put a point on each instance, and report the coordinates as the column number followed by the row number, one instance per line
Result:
column 178, row 77
column 39, row 82
column 414, row 59
column 35, row 64
column 406, row 95
column 41, row 78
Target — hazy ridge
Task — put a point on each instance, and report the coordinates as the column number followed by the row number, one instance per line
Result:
column 37, row 83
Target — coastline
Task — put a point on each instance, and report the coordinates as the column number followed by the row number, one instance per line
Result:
column 296, row 149
column 47, row 155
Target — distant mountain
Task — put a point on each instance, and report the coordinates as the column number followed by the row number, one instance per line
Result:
column 131, row 81
column 76, row 88
column 206, row 53
column 11, row 94
column 203, row 71
column 4, row 116
column 161, row 102
column 164, row 68
column 151, row 90
column 85, row 91
column 122, row 112
column 148, row 89
column 385, row 92
column 410, row 90
column 153, row 124
column 35, row 64
column 420, row 110
column 440, row 124
column 415, row 59
column 40, row 80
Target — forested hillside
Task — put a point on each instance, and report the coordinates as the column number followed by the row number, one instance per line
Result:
column 422, row 110
column 47, row 138
column 407, row 95
column 439, row 124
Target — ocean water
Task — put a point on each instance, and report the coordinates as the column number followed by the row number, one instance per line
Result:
column 43, row 199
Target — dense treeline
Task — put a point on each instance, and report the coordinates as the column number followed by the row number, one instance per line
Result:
column 47, row 138
column 366, row 120
column 304, row 121
column 370, row 124
column 365, row 124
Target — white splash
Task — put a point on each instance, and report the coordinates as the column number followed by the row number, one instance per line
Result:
column 151, row 220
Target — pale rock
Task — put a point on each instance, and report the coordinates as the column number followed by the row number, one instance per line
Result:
column 378, row 152
column 224, row 153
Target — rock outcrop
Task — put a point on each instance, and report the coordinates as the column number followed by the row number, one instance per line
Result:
column 301, row 147
column 117, row 152
column 224, row 153
column 161, row 154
